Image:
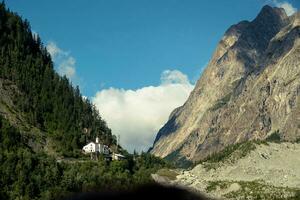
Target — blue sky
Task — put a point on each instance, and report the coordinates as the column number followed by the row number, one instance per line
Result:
column 127, row 45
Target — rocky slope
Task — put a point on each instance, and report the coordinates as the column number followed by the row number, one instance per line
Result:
column 249, row 90
column 34, row 136
column 268, row 171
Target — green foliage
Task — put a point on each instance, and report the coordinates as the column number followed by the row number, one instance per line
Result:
column 25, row 174
column 8, row 135
column 145, row 164
column 297, row 195
column 252, row 190
column 49, row 101
column 230, row 153
column 274, row 137
column 51, row 104
column 244, row 148
column 214, row 185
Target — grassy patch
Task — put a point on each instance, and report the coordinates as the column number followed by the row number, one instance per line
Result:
column 214, row 185
column 231, row 154
column 170, row 174
column 253, row 190
column 244, row 148
column 260, row 190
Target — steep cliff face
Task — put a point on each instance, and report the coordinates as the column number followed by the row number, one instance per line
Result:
column 249, row 90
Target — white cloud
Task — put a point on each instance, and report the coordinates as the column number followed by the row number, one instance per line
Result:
column 173, row 77
column 54, row 50
column 289, row 8
column 67, row 67
column 137, row 115
column 64, row 61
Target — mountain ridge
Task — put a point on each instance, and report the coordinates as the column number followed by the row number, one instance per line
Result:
column 245, row 58
column 35, row 99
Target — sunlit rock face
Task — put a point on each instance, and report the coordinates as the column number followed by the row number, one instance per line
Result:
column 249, row 90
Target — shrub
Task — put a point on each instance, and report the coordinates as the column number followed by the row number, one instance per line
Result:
column 274, row 137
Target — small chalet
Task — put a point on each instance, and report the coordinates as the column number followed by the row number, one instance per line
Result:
column 96, row 147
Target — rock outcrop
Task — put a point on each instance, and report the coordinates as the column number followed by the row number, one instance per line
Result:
column 249, row 90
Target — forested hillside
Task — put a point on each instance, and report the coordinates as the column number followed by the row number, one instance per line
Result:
column 38, row 107
column 48, row 101
column 28, row 175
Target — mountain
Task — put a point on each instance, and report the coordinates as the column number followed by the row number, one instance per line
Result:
column 51, row 114
column 249, row 91
column 44, row 123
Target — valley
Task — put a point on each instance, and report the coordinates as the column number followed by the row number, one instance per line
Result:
column 237, row 136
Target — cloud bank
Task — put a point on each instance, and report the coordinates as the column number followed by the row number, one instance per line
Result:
column 64, row 61
column 137, row 115
column 289, row 8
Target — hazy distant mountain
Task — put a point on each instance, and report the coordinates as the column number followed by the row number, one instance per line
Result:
column 249, row 90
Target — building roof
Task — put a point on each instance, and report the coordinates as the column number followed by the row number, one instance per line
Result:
column 119, row 155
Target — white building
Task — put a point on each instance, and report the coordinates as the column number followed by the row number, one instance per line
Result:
column 116, row 156
column 94, row 147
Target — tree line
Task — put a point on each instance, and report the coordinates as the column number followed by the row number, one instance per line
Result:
column 49, row 101
column 25, row 174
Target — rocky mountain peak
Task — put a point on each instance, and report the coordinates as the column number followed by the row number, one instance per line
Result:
column 268, row 23
column 269, row 13
column 253, row 36
column 248, row 91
